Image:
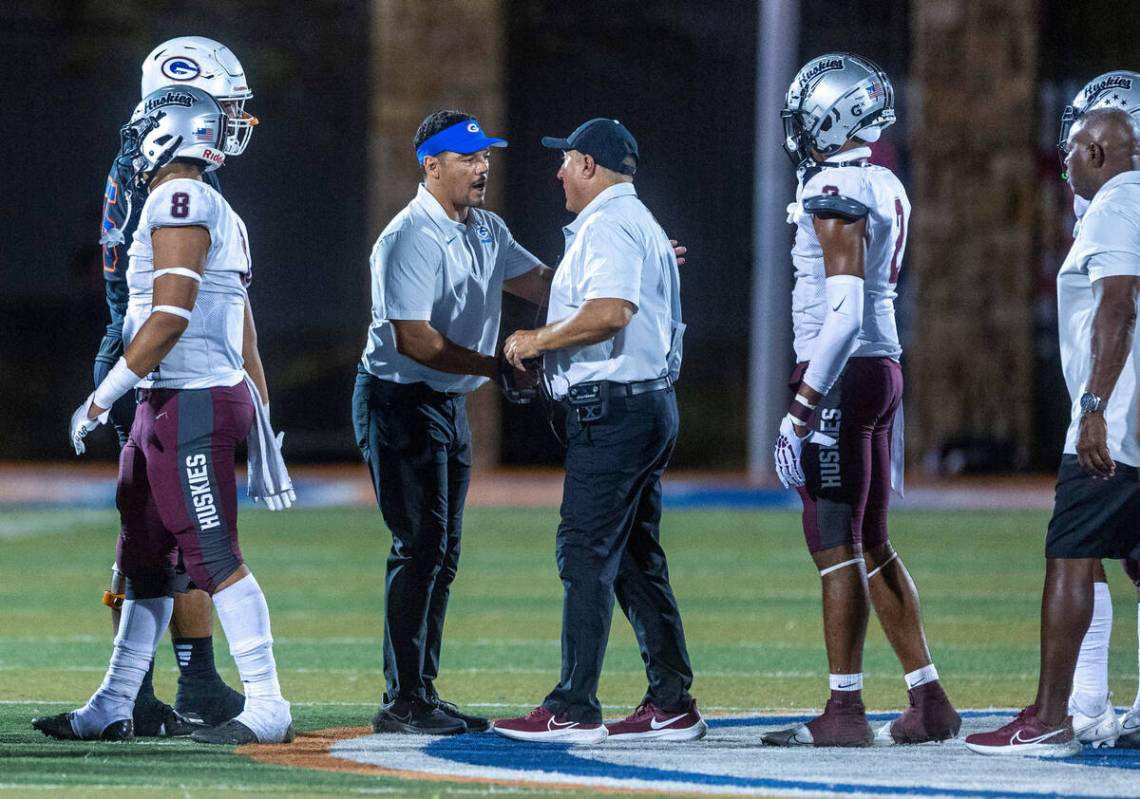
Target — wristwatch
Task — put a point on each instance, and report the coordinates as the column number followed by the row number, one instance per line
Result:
column 1091, row 403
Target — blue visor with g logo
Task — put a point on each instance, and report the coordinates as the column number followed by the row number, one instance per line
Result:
column 462, row 137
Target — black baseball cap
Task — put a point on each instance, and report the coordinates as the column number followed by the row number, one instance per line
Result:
column 606, row 140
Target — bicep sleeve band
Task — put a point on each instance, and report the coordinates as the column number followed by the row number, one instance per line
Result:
column 181, row 271
column 836, row 205
column 172, row 309
column 839, row 334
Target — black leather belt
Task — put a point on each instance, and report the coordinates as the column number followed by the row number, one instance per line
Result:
column 612, row 389
column 640, row 387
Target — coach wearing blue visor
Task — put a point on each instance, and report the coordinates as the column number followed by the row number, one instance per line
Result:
column 612, row 350
column 439, row 270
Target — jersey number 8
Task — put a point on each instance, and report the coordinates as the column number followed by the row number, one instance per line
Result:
column 180, row 205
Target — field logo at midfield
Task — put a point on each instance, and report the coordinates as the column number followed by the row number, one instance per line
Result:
column 731, row 762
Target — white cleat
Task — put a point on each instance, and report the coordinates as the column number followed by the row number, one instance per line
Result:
column 1103, row 729
column 1130, row 729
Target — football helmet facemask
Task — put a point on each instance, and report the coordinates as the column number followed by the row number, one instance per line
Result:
column 832, row 98
column 173, row 122
column 210, row 66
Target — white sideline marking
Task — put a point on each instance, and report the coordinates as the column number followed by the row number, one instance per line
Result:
column 32, row 523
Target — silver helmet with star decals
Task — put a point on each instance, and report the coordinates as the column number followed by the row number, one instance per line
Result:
column 832, row 98
column 1117, row 89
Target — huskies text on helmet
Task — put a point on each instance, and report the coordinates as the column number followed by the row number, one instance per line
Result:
column 1117, row 89
column 832, row 98
column 174, row 122
column 212, row 67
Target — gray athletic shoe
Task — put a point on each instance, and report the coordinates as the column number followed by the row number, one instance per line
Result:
column 234, row 733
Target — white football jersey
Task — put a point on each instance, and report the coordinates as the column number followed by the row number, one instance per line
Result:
column 1107, row 244
column 209, row 351
column 847, row 176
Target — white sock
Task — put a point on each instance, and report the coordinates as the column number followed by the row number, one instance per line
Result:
column 1136, row 703
column 846, row 682
column 140, row 629
column 921, row 676
column 245, row 619
column 1090, row 679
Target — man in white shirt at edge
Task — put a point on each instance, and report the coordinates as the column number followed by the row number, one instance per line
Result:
column 1090, row 704
column 1098, row 496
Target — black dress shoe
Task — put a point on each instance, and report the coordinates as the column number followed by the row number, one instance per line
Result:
column 59, row 726
column 416, row 717
column 473, row 723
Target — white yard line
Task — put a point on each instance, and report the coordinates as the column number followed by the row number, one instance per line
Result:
column 25, row 524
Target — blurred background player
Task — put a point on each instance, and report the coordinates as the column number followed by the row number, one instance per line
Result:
column 208, row 65
column 1094, row 718
column 1097, row 497
column 190, row 344
column 840, row 443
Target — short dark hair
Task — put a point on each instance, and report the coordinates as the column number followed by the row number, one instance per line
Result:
column 435, row 122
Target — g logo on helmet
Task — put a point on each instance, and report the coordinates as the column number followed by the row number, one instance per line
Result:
column 181, row 68
column 473, row 127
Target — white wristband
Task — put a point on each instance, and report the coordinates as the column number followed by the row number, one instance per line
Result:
column 118, row 382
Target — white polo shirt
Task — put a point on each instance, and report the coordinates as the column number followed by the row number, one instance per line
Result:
column 427, row 267
column 616, row 250
column 1107, row 244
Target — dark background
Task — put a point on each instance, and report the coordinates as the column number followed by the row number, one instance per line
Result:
column 679, row 74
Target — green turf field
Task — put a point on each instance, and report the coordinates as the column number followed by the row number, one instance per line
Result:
column 745, row 584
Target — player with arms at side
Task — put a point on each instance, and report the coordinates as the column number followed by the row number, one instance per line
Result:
column 191, row 347
column 203, row 697
column 1094, row 719
column 840, row 443
column 1098, row 494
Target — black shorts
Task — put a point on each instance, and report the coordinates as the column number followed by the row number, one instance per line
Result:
column 1094, row 518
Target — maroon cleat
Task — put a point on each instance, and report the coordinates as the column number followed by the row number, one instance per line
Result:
column 651, row 722
column 542, row 725
column 1027, row 735
column 842, row 723
column 930, row 717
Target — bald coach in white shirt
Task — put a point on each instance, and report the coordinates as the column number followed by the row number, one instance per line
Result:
column 612, row 353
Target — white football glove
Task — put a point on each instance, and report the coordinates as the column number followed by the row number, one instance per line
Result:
column 81, row 425
column 787, row 454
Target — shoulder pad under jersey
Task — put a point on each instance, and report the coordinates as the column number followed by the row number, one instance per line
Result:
column 835, row 205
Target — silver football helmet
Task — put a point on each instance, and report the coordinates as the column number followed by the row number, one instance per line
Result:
column 210, row 66
column 832, row 98
column 1117, row 89
column 174, row 122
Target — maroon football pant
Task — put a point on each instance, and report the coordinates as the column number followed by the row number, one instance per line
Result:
column 177, row 490
column 848, row 483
